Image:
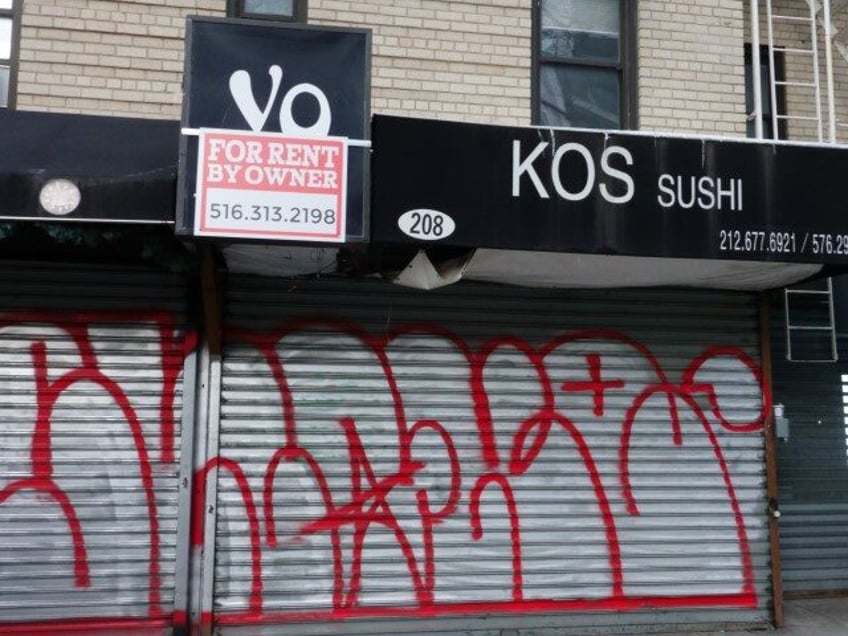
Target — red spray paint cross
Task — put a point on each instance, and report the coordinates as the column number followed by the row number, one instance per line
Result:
column 595, row 385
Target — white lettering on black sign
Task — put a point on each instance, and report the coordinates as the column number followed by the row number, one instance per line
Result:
column 241, row 89
column 615, row 183
column 706, row 193
column 564, row 156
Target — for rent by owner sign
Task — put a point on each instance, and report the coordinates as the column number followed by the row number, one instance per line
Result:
column 282, row 117
column 267, row 186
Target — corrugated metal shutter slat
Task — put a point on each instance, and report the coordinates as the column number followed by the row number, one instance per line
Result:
column 90, row 412
column 532, row 495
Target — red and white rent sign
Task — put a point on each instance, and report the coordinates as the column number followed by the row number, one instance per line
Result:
column 269, row 186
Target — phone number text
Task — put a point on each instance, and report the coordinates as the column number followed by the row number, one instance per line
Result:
column 271, row 214
column 760, row 241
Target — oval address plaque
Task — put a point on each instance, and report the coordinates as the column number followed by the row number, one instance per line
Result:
column 426, row 225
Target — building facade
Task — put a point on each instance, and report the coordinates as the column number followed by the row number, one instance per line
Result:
column 219, row 436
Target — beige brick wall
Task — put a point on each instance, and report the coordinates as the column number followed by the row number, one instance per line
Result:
column 464, row 60
column 691, row 66
column 105, row 57
column 467, row 60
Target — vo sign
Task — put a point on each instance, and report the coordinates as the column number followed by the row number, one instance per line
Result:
column 275, row 105
column 241, row 90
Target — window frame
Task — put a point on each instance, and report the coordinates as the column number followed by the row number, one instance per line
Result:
column 13, row 61
column 626, row 66
column 235, row 9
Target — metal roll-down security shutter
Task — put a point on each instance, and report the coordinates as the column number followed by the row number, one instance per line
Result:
column 91, row 363
column 488, row 460
column 811, row 450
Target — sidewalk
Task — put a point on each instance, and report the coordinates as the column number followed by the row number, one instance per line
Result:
column 805, row 617
column 819, row 616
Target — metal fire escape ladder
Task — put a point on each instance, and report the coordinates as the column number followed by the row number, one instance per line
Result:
column 833, row 39
column 816, row 307
column 808, row 310
column 805, row 57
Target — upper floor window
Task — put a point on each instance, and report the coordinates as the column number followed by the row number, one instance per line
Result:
column 9, row 21
column 585, row 63
column 287, row 10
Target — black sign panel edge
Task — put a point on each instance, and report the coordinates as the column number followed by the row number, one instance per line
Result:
column 794, row 199
column 124, row 167
column 184, row 226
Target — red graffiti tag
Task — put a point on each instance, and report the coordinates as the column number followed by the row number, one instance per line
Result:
column 173, row 347
column 367, row 502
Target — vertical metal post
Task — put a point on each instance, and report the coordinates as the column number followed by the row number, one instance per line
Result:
column 189, row 423
column 814, row 40
column 197, row 603
column 771, row 467
column 772, row 79
column 206, row 444
column 828, row 60
column 210, row 507
column 787, row 323
column 834, row 350
column 756, row 79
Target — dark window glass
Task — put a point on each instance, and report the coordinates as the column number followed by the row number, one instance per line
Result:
column 768, row 126
column 580, row 44
column 287, row 10
column 4, row 86
column 580, row 63
column 5, row 38
column 276, row 8
column 581, row 29
column 579, row 96
column 9, row 26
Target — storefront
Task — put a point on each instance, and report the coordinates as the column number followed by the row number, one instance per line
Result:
column 486, row 457
column 518, row 380
column 96, row 365
column 483, row 457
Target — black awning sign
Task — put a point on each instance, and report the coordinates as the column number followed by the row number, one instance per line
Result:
column 471, row 185
column 65, row 167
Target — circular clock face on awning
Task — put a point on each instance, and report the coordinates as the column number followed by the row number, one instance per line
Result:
column 59, row 196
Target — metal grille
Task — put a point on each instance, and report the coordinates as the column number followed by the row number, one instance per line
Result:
column 488, row 458
column 90, row 403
